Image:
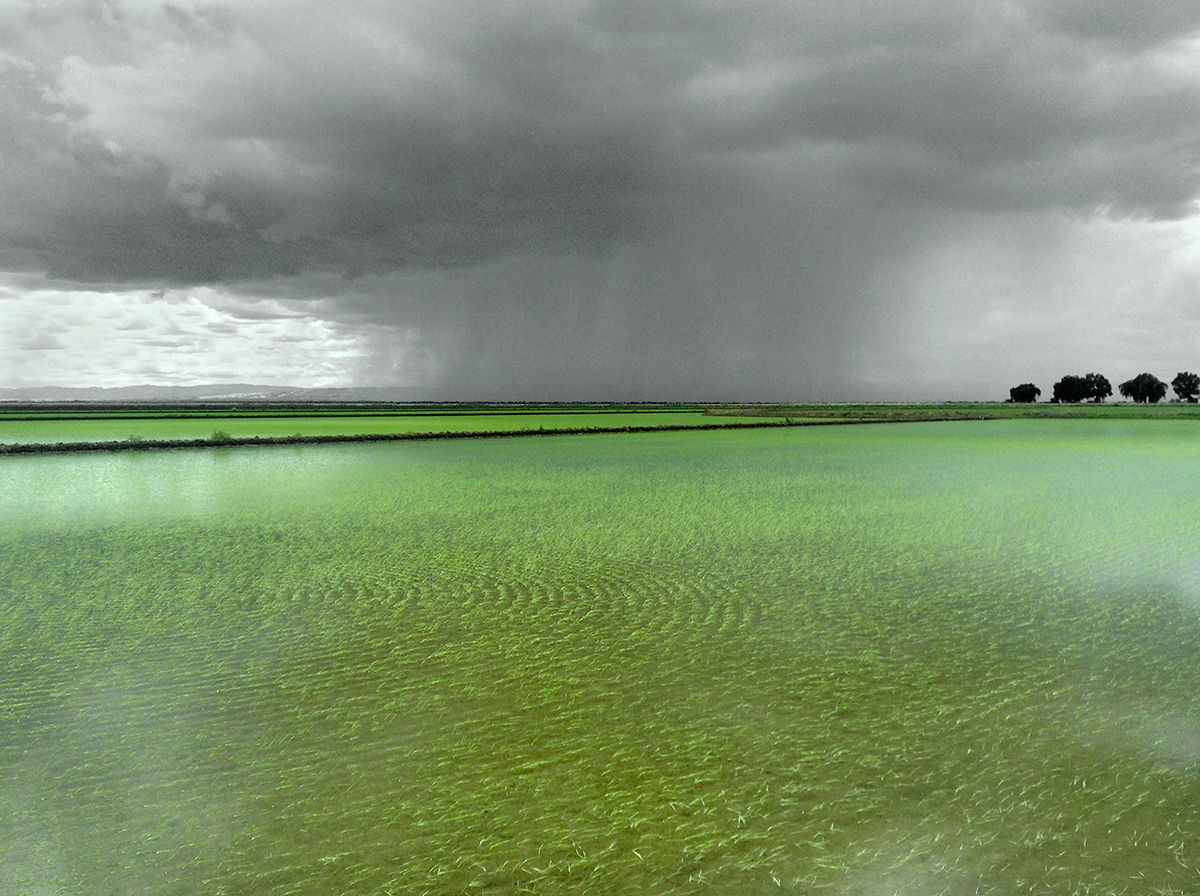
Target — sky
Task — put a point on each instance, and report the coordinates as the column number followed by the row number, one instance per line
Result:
column 768, row 200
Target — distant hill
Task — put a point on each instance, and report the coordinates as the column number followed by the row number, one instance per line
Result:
column 207, row 392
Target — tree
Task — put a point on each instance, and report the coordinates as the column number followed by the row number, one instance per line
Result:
column 1098, row 387
column 1186, row 386
column 1144, row 387
column 1024, row 393
column 1071, row 388
column 1093, row 387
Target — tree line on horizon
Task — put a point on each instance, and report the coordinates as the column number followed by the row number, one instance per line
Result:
column 1143, row 388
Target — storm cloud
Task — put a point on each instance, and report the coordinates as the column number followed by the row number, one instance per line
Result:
column 614, row 198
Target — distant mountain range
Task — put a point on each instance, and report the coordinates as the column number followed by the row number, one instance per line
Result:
column 207, row 392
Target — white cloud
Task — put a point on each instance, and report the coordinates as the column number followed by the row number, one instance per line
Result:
column 57, row 335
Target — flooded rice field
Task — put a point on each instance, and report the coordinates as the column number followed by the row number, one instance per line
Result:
column 922, row 659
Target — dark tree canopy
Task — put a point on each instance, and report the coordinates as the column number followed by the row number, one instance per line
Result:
column 1069, row 388
column 1186, row 386
column 1098, row 387
column 1144, row 387
column 1024, row 393
column 1092, row 387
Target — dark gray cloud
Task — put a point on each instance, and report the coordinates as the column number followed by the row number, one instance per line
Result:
column 678, row 192
column 374, row 136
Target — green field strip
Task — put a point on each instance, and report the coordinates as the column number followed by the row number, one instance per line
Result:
column 223, row 441
column 164, row 429
column 29, row 431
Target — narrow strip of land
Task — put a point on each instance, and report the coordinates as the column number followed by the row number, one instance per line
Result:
column 32, row 429
column 223, row 441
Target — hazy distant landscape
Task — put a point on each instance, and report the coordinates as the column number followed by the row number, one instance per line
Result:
column 222, row 392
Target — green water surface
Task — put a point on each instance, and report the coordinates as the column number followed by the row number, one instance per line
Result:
column 899, row 659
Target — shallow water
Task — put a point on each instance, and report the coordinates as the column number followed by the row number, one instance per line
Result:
column 914, row 659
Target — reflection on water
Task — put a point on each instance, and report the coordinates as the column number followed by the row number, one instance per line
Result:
column 908, row 659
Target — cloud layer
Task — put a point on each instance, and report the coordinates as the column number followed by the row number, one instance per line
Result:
column 673, row 197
